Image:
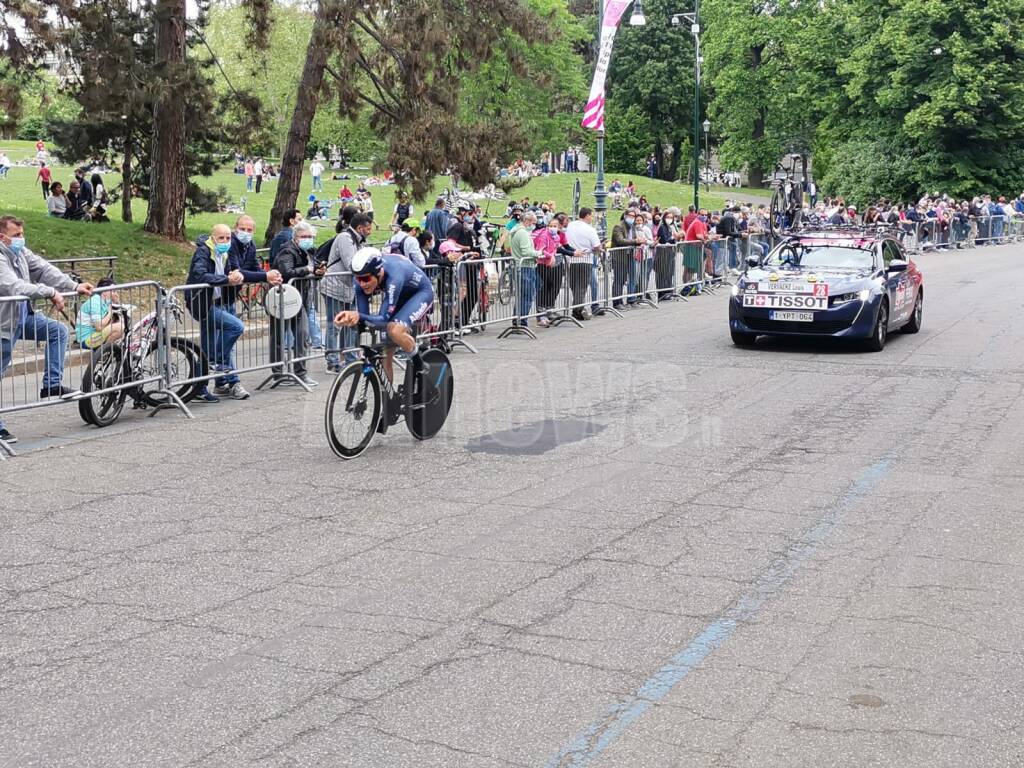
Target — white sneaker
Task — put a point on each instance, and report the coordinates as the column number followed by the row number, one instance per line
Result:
column 237, row 392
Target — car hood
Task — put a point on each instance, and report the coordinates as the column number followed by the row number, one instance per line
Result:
column 838, row 279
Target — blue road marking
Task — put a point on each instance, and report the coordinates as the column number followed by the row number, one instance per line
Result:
column 602, row 733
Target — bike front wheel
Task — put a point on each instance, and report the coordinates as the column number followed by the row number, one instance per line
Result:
column 505, row 286
column 354, row 407
column 775, row 211
column 106, row 370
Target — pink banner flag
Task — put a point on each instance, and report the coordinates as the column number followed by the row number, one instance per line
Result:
column 593, row 113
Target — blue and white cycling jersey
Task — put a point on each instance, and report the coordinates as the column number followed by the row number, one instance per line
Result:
column 408, row 295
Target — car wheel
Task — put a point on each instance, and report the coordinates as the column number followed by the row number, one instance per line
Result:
column 741, row 339
column 879, row 334
column 914, row 323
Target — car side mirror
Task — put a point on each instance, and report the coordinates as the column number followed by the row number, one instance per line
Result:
column 753, row 261
column 897, row 265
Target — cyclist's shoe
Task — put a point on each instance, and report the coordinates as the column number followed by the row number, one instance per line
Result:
column 7, row 437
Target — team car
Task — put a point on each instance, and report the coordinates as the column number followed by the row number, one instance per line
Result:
column 856, row 284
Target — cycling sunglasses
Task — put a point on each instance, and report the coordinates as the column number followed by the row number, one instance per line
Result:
column 365, row 278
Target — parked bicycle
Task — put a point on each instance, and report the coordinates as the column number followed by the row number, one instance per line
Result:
column 363, row 400
column 131, row 367
column 787, row 203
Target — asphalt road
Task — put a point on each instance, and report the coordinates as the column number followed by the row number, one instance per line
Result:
column 633, row 545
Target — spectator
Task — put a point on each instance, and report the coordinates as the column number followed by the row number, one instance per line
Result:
column 338, row 289
column 728, row 227
column 5, row 165
column 85, row 194
column 550, row 268
column 345, row 194
column 250, row 172
column 525, row 255
column 23, row 273
column 693, row 251
column 96, row 323
column 57, row 202
column 437, row 222
column 100, row 200
column 45, row 178
column 257, row 171
column 366, row 205
column 214, row 264
column 403, row 210
column 405, row 243
column 462, row 232
column 75, row 210
column 294, row 259
column 284, row 235
column 316, row 169
column 585, row 243
column 624, row 270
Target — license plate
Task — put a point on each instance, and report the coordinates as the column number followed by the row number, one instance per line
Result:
column 799, row 317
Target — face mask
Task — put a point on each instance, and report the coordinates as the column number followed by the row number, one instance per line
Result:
column 703, row 218
column 553, row 230
column 222, row 248
column 244, row 237
column 306, row 243
column 469, row 219
column 669, row 221
column 630, row 220
column 17, row 244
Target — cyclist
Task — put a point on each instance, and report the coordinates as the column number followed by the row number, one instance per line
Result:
column 408, row 297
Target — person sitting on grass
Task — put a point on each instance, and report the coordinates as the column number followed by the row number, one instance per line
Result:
column 57, row 202
column 75, row 210
column 96, row 323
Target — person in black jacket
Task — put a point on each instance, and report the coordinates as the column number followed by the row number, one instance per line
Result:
column 213, row 307
column 729, row 228
column 295, row 261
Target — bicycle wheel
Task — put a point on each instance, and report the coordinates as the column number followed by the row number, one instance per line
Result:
column 187, row 362
column 107, row 369
column 775, row 210
column 432, row 397
column 353, row 411
column 505, row 285
column 796, row 205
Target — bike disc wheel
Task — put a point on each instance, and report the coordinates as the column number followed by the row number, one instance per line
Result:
column 106, row 370
column 432, row 397
column 353, row 411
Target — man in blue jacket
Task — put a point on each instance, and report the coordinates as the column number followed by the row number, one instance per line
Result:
column 217, row 261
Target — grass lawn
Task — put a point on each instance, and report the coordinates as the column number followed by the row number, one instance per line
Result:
column 143, row 256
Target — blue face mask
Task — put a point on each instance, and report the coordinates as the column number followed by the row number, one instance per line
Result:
column 222, row 248
column 630, row 220
column 17, row 244
column 244, row 237
column 306, row 243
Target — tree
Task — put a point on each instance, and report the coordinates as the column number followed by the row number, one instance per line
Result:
column 404, row 60
column 941, row 77
column 648, row 71
column 771, row 82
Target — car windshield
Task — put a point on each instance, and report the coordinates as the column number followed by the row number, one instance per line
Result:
column 836, row 256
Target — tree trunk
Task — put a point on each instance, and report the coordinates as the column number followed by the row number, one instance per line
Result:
column 755, row 177
column 126, row 179
column 289, row 179
column 167, row 178
column 659, row 157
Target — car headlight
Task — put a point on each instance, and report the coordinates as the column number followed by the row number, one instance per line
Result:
column 846, row 298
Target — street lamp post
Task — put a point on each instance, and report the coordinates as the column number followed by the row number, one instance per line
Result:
column 707, row 157
column 636, row 19
column 694, row 19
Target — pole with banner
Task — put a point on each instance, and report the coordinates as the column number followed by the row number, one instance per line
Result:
column 609, row 16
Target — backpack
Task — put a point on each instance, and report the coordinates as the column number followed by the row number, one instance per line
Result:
column 397, row 248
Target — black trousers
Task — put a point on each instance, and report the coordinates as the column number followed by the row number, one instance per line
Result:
column 549, row 285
